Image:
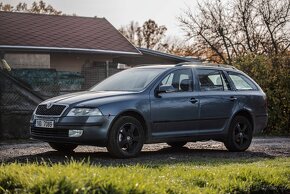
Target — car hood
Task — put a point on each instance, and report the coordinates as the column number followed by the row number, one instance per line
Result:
column 79, row 97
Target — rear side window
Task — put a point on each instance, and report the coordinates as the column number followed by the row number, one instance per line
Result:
column 212, row 80
column 241, row 82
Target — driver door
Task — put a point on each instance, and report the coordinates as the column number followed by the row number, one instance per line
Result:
column 175, row 113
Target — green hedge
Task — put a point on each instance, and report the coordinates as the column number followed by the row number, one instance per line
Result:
column 49, row 82
column 272, row 73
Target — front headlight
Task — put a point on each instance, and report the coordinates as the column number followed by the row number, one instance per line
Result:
column 84, row 112
column 33, row 115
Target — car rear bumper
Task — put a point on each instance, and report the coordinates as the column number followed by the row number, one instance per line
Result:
column 260, row 123
column 95, row 130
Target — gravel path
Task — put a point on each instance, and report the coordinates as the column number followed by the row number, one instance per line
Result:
column 31, row 151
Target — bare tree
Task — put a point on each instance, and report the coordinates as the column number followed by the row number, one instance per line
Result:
column 275, row 14
column 149, row 35
column 37, row 7
column 234, row 28
column 132, row 33
column 6, row 7
column 212, row 34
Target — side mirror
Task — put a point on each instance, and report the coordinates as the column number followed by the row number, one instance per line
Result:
column 165, row 89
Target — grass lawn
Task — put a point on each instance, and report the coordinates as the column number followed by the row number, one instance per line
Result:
column 199, row 176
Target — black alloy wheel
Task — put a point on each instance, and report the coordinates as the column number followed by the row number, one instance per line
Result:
column 126, row 137
column 240, row 134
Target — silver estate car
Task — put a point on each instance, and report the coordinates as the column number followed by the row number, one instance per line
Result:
column 175, row 104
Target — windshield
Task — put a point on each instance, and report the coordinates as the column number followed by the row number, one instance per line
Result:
column 135, row 79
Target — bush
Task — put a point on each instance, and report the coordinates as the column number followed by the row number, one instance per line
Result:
column 273, row 75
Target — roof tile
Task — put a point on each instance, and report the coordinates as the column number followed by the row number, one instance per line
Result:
column 39, row 30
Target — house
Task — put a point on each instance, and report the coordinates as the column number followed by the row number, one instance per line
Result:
column 52, row 55
column 90, row 46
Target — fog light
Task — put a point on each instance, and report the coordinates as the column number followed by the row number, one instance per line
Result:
column 75, row 133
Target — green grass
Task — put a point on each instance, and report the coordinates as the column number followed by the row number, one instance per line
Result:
column 206, row 176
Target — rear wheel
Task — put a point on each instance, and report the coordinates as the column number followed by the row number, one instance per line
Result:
column 177, row 144
column 126, row 137
column 63, row 147
column 240, row 134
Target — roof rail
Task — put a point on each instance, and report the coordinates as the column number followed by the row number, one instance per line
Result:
column 226, row 66
column 184, row 63
column 205, row 64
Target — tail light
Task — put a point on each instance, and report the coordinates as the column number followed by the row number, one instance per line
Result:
column 266, row 102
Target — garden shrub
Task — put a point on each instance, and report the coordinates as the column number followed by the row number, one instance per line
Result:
column 272, row 73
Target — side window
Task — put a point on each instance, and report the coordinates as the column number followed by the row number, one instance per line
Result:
column 241, row 82
column 212, row 80
column 179, row 80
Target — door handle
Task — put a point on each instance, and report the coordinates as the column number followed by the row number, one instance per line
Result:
column 193, row 100
column 232, row 98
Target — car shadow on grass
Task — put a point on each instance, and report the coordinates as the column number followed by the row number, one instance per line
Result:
column 164, row 156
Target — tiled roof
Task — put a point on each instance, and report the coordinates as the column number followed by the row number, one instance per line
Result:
column 49, row 31
column 178, row 59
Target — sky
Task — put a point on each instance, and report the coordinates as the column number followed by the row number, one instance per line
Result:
column 121, row 12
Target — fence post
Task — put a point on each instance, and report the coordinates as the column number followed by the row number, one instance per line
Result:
column 1, row 94
column 107, row 69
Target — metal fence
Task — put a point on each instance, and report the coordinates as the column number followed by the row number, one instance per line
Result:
column 47, row 83
column 22, row 89
column 15, row 96
column 17, row 103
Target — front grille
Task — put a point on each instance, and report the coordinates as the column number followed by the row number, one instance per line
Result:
column 55, row 110
column 44, row 132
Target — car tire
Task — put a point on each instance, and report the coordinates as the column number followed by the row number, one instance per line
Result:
column 177, row 144
column 62, row 147
column 126, row 137
column 240, row 134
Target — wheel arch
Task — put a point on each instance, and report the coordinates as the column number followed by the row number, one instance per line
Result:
column 247, row 114
column 133, row 113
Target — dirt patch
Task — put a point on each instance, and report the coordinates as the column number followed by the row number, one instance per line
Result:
column 34, row 151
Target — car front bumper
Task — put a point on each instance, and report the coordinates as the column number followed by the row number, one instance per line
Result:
column 95, row 130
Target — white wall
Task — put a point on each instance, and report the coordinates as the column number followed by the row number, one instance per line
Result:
column 28, row 60
column 59, row 61
column 75, row 62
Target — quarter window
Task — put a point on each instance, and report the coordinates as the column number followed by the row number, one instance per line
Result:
column 180, row 80
column 212, row 80
column 241, row 82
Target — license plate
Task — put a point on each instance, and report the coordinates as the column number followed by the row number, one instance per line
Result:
column 44, row 124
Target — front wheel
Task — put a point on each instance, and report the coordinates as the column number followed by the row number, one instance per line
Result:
column 63, row 147
column 126, row 137
column 240, row 134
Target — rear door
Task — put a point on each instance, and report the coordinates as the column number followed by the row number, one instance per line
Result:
column 250, row 98
column 217, row 100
